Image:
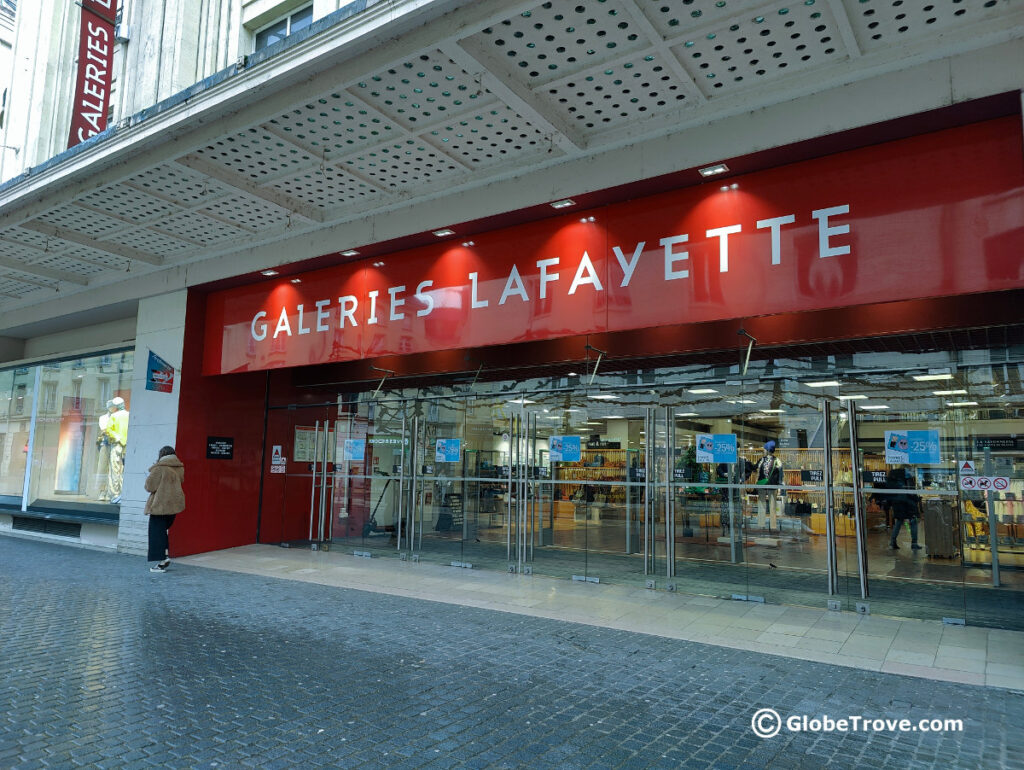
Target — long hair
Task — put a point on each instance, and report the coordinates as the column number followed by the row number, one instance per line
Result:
column 164, row 451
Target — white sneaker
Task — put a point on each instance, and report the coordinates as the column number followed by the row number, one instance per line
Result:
column 161, row 566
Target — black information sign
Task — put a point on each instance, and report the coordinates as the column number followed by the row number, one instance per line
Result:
column 815, row 475
column 875, row 478
column 220, row 447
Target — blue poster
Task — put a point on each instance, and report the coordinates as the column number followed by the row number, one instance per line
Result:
column 911, row 447
column 447, row 450
column 159, row 374
column 565, row 449
column 355, row 450
column 716, row 448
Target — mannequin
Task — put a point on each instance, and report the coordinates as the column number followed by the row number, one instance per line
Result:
column 117, row 434
column 769, row 473
column 103, row 458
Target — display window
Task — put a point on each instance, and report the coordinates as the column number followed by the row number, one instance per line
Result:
column 16, row 394
column 63, row 432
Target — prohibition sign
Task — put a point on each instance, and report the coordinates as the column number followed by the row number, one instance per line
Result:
column 984, row 482
column 1000, row 482
column 968, row 482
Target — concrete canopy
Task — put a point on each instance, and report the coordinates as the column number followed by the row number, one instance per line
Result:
column 373, row 127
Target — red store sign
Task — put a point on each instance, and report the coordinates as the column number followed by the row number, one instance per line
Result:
column 95, row 68
column 935, row 215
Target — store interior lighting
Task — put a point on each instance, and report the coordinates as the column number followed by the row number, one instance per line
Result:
column 563, row 204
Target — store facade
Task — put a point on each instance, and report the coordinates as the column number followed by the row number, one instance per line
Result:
column 597, row 395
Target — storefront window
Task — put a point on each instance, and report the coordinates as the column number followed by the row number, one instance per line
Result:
column 15, row 418
column 81, row 430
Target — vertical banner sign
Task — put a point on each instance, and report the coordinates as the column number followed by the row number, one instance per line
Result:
column 95, row 65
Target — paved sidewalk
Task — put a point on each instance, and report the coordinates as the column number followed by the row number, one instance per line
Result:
column 928, row 649
column 108, row 666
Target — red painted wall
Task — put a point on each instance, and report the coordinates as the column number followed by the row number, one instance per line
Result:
column 222, row 496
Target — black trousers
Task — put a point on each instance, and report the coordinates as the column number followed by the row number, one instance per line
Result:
column 158, row 526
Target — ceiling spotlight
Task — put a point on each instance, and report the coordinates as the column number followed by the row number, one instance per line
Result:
column 444, row 232
column 724, row 188
column 587, row 219
column 734, row 186
column 563, row 204
column 378, row 264
column 718, row 168
column 350, row 253
column 269, row 273
column 467, row 244
column 296, row 280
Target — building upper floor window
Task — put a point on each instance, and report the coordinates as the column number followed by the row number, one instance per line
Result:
column 283, row 27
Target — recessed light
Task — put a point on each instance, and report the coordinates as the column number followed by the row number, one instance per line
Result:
column 724, row 188
column 823, row 384
column 586, row 219
column 741, row 401
column 563, row 204
column 875, row 406
column 718, row 168
column 773, row 411
column 378, row 264
column 574, row 374
column 444, row 232
column 613, row 417
column 350, row 253
column 268, row 273
column 856, row 397
column 961, row 403
column 702, row 391
column 522, row 401
column 686, row 414
column 956, row 392
column 605, row 396
column 931, row 377
column 296, row 280
column 467, row 244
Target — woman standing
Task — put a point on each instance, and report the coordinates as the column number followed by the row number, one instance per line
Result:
column 166, row 500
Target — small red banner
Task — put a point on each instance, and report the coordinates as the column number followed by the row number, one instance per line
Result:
column 95, row 66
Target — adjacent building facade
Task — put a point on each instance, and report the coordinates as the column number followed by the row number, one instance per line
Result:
column 715, row 297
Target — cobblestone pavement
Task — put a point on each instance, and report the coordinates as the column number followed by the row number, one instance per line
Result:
column 107, row 666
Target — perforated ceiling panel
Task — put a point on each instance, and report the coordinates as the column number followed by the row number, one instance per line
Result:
column 878, row 24
column 491, row 136
column 630, row 90
column 328, row 187
column 479, row 100
column 335, row 124
column 409, row 163
column 257, row 154
column 197, row 229
column 127, row 203
column 422, row 91
column 82, row 221
column 749, row 51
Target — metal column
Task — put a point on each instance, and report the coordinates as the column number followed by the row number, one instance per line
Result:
column 670, row 502
column 860, row 525
column 830, row 527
